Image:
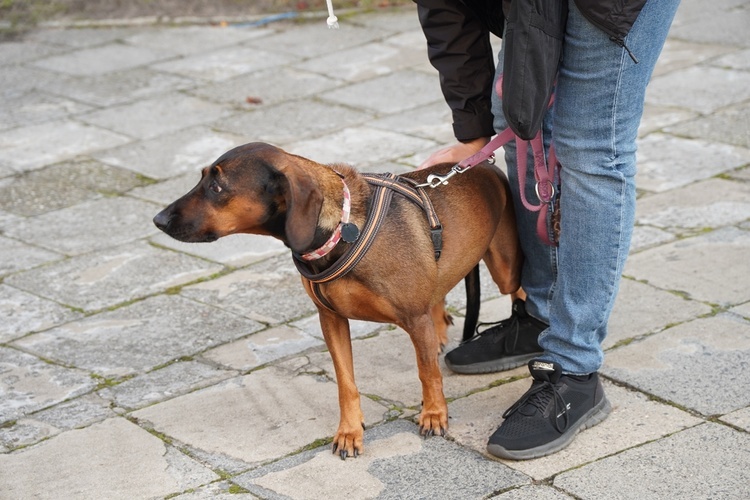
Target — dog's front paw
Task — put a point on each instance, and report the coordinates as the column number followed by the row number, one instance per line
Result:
column 348, row 443
column 433, row 422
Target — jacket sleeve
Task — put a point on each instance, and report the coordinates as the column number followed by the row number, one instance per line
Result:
column 458, row 46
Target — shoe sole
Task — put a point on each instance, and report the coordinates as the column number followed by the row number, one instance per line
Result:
column 594, row 416
column 495, row 365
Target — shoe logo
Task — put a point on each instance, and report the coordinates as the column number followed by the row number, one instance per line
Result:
column 541, row 365
column 565, row 410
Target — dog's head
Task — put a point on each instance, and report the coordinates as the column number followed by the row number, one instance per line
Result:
column 256, row 188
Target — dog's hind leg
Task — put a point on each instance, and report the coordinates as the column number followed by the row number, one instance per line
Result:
column 349, row 436
column 434, row 416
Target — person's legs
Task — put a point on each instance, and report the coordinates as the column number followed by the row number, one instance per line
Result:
column 598, row 107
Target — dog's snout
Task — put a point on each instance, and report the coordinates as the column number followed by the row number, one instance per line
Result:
column 162, row 219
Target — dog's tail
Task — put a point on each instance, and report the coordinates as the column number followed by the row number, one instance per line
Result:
column 472, row 302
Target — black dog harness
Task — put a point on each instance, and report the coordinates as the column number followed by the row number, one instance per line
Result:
column 384, row 187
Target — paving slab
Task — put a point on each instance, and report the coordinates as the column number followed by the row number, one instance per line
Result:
column 641, row 309
column 708, row 461
column 699, row 206
column 726, row 26
column 739, row 418
column 149, row 118
column 695, row 365
column 267, row 414
column 385, row 366
column 364, row 62
column 20, row 256
column 24, row 313
column 187, row 40
column 730, row 126
column 76, row 413
column 727, row 87
column 735, row 60
column 269, row 86
column 225, row 63
column 431, row 121
column 36, row 107
column 271, row 124
column 63, row 139
column 115, row 87
column 680, row 54
column 236, row 250
column 706, row 267
column 647, row 237
column 535, row 491
column 656, row 118
column 395, row 464
column 25, row 432
column 346, row 146
column 666, row 162
column 99, row 60
column 416, row 89
column 270, row 292
column 634, row 420
column 113, row 276
column 165, row 383
column 88, row 226
column 164, row 157
column 295, row 39
column 223, row 490
column 114, row 459
column 263, row 347
column 85, row 37
column 64, row 185
column 29, row 384
column 139, row 337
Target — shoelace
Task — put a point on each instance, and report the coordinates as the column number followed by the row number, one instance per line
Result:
column 498, row 324
column 539, row 396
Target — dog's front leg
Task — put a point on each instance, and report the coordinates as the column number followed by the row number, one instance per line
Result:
column 434, row 416
column 349, row 436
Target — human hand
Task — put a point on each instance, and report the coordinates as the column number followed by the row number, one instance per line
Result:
column 455, row 153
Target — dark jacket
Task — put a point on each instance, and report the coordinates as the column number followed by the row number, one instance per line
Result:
column 458, row 46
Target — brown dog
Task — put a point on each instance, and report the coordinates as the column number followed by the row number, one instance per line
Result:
column 260, row 189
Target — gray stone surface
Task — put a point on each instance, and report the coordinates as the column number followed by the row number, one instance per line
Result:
column 270, row 413
column 113, row 276
column 29, row 384
column 707, row 267
column 115, row 459
column 697, row 365
column 88, row 226
column 136, row 366
column 400, row 461
column 24, row 313
column 269, row 292
column 138, row 337
column 707, row 461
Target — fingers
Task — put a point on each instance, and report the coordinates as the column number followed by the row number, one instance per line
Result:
column 455, row 153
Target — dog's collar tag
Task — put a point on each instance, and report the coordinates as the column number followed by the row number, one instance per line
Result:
column 349, row 232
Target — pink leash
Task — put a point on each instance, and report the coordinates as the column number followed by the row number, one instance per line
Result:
column 545, row 187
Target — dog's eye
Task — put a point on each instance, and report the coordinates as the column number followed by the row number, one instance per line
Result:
column 214, row 186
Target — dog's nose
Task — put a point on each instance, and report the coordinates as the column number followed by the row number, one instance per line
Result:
column 162, row 219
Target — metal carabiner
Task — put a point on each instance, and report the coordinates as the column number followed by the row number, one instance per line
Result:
column 435, row 180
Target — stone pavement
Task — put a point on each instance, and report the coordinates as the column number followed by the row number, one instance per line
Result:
column 133, row 366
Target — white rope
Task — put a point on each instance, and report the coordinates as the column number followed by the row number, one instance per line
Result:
column 333, row 21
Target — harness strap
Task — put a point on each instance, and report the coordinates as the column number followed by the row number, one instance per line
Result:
column 378, row 209
column 385, row 185
column 410, row 189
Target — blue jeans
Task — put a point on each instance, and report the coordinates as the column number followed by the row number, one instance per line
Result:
column 593, row 124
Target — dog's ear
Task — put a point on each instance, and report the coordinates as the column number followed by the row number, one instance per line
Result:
column 303, row 204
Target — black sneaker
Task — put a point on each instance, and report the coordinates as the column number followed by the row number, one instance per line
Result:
column 547, row 418
column 508, row 344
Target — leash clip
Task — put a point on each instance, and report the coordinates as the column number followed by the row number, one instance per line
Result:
column 435, row 180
